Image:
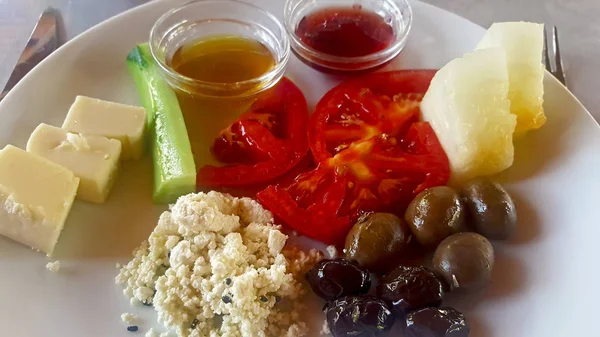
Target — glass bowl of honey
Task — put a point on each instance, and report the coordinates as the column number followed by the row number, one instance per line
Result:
column 218, row 56
column 220, row 48
column 347, row 36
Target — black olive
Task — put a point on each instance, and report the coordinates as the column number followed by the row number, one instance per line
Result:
column 410, row 288
column 490, row 209
column 435, row 214
column 436, row 322
column 465, row 260
column 331, row 279
column 378, row 241
column 359, row 316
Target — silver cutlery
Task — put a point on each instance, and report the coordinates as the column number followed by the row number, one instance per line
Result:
column 552, row 58
column 42, row 42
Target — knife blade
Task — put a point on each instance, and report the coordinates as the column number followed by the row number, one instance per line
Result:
column 42, row 42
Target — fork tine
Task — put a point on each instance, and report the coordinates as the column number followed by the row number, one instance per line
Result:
column 546, row 57
column 559, row 73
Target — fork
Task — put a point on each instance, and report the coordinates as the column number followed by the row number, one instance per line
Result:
column 553, row 64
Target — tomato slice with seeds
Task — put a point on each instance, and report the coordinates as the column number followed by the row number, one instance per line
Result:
column 359, row 109
column 266, row 141
column 372, row 153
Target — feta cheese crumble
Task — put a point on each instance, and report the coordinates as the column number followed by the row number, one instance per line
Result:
column 129, row 318
column 53, row 266
column 215, row 266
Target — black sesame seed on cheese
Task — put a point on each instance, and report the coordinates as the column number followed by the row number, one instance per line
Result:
column 228, row 281
column 226, row 299
column 132, row 328
column 264, row 299
column 195, row 324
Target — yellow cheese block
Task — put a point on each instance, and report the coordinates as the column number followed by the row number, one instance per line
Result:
column 35, row 198
column 122, row 122
column 93, row 159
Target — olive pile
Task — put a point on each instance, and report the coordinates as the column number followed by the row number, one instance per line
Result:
column 454, row 225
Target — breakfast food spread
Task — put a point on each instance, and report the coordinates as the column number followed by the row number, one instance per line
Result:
column 36, row 196
column 93, row 159
column 213, row 256
column 124, row 123
column 367, row 171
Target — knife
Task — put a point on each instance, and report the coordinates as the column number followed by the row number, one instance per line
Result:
column 42, row 42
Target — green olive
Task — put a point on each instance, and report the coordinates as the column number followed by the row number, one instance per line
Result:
column 490, row 209
column 378, row 241
column 465, row 261
column 435, row 214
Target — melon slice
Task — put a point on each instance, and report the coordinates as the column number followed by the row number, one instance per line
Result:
column 467, row 105
column 523, row 43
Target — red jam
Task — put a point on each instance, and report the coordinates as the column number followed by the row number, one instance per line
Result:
column 345, row 31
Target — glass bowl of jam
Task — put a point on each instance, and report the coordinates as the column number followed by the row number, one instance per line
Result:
column 218, row 56
column 347, row 36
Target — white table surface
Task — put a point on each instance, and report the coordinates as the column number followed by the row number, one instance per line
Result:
column 578, row 22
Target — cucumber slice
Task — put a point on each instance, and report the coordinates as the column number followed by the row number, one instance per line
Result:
column 174, row 167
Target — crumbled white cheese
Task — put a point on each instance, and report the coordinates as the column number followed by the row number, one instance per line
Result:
column 129, row 318
column 13, row 207
column 53, row 266
column 151, row 333
column 214, row 257
column 119, row 266
column 74, row 142
column 332, row 251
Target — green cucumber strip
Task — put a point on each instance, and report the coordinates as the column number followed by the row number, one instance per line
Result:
column 174, row 167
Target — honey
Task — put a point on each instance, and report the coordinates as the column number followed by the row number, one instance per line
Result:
column 223, row 59
column 222, row 63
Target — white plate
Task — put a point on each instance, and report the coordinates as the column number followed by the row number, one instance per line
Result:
column 544, row 281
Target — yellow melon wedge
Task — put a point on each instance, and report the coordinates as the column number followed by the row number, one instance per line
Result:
column 467, row 106
column 523, row 43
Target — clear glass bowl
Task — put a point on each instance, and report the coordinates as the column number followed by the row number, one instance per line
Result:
column 204, row 18
column 397, row 13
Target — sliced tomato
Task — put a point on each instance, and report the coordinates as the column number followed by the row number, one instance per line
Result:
column 378, row 165
column 264, row 143
column 359, row 109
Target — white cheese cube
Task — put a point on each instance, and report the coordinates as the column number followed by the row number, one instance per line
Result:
column 35, row 198
column 93, row 159
column 122, row 122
